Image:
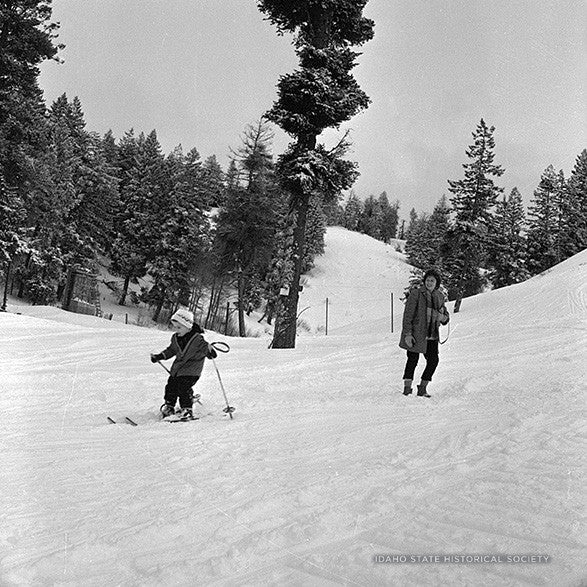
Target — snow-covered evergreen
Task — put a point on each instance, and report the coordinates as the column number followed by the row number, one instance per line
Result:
column 574, row 238
column 545, row 222
column 507, row 248
column 473, row 201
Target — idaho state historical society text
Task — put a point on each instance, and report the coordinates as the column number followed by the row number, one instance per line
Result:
column 460, row 559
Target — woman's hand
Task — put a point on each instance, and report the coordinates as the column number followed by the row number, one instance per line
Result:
column 443, row 316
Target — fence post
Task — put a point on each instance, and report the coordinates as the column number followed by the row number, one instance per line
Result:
column 392, row 312
column 6, row 276
column 326, row 334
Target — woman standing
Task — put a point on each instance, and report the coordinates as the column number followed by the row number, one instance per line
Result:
column 423, row 313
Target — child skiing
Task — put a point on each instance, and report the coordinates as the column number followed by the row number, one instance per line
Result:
column 190, row 349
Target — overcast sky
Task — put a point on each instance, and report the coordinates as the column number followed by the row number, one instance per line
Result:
column 199, row 71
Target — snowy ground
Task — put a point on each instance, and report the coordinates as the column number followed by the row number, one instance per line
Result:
column 326, row 463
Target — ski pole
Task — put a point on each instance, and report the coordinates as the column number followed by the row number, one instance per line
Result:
column 223, row 348
column 164, row 367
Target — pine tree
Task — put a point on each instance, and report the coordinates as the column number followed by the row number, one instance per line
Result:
column 352, row 212
column 142, row 195
column 69, row 202
column 12, row 243
column 127, row 157
column 426, row 235
column 371, row 218
column 183, row 235
column 389, row 218
column 473, row 200
column 322, row 93
column 246, row 224
column 439, row 225
column 99, row 202
column 333, row 213
column 574, row 226
column 412, row 220
column 544, row 222
column 27, row 38
column 233, row 176
column 52, row 193
column 418, row 245
column 95, row 181
column 213, row 178
column 71, row 116
column 507, row 251
column 109, row 151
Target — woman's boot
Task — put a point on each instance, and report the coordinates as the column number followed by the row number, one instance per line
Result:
column 422, row 389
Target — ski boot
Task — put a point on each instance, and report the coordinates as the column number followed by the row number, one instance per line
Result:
column 185, row 414
column 167, row 410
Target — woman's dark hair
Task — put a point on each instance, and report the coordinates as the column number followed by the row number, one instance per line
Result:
column 434, row 273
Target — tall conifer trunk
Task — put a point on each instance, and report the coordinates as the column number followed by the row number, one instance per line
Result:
column 286, row 322
column 320, row 94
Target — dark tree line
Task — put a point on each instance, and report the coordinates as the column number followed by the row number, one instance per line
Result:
column 195, row 232
column 375, row 217
column 69, row 197
column 484, row 238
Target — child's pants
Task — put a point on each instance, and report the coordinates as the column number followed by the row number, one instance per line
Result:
column 180, row 387
column 431, row 356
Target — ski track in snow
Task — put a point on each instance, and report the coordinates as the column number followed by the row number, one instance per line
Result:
column 325, row 465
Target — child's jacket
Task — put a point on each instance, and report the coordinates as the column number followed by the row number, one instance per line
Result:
column 189, row 361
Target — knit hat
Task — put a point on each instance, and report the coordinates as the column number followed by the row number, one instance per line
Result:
column 183, row 317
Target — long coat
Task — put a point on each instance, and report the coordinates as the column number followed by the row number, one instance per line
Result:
column 415, row 318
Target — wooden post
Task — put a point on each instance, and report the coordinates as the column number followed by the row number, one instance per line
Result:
column 392, row 312
column 6, row 277
column 326, row 317
column 227, row 316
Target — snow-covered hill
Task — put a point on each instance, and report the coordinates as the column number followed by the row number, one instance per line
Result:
column 326, row 463
column 357, row 275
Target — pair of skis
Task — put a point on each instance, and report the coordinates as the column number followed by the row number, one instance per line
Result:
column 126, row 419
column 170, row 418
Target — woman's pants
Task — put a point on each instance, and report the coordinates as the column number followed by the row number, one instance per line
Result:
column 431, row 356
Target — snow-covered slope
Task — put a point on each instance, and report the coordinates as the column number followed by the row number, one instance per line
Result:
column 325, row 465
column 357, row 275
